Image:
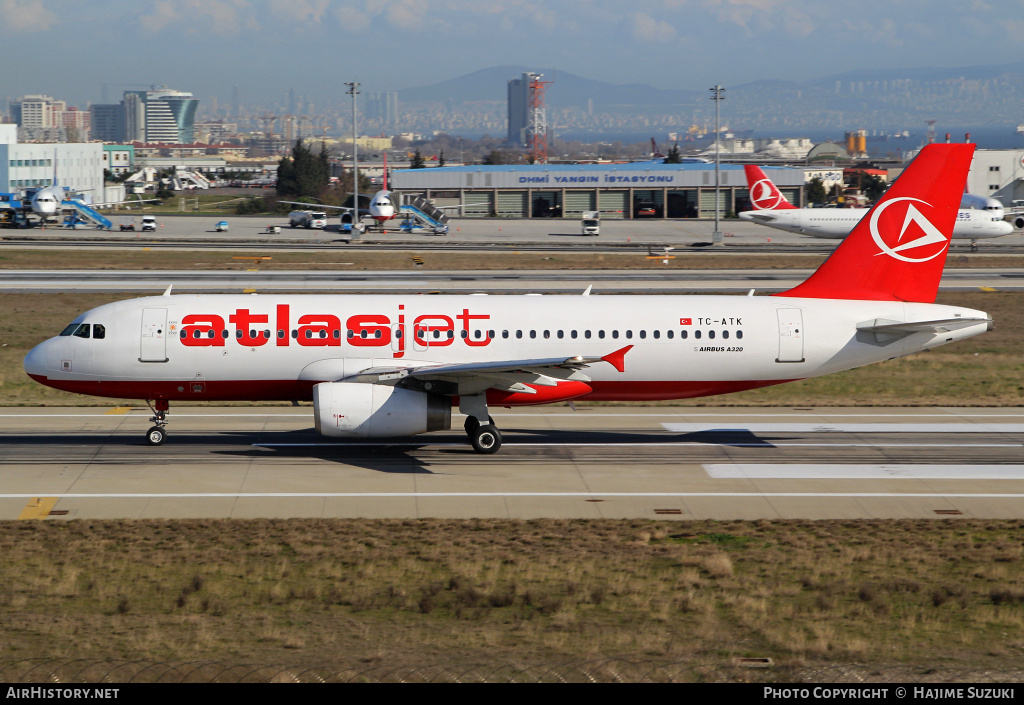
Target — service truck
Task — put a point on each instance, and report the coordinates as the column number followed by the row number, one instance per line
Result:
column 591, row 223
column 308, row 219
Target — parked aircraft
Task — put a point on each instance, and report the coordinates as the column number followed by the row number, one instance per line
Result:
column 774, row 210
column 396, row 365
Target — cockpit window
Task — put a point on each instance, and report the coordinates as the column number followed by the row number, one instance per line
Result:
column 99, row 331
column 70, row 329
column 82, row 332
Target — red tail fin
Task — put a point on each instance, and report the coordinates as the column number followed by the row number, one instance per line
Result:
column 764, row 195
column 896, row 252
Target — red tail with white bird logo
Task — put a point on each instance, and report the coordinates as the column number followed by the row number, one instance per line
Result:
column 897, row 251
column 764, row 194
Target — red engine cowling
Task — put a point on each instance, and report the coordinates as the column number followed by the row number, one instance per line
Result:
column 356, row 410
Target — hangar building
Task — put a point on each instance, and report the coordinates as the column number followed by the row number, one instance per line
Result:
column 635, row 190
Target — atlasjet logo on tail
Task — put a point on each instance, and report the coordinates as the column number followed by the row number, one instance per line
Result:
column 933, row 241
column 764, row 197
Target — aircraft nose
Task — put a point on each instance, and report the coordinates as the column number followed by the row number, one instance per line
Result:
column 35, row 361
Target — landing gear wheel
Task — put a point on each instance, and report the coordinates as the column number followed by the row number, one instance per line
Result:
column 156, row 436
column 486, row 439
column 473, row 423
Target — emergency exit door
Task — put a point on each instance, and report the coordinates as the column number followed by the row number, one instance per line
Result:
column 154, row 335
column 791, row 335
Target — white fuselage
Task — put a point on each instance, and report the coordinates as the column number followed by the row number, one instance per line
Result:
column 222, row 347
column 46, row 202
column 971, row 223
column 382, row 207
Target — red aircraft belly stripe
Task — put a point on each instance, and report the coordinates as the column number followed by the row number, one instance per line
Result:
column 287, row 390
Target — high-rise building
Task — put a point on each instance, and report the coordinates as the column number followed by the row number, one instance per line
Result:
column 519, row 107
column 33, row 111
column 108, row 122
column 382, row 107
column 162, row 115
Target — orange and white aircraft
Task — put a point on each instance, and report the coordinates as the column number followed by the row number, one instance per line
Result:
column 771, row 208
column 396, row 365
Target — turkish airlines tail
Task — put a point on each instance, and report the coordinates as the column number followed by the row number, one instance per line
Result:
column 896, row 251
column 764, row 194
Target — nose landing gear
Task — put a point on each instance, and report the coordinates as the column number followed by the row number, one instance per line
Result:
column 157, row 435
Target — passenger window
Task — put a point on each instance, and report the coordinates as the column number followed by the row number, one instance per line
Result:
column 600, row 334
column 669, row 334
column 547, row 334
column 519, row 334
column 573, row 335
column 586, row 334
column 99, row 331
column 533, row 334
column 725, row 335
column 739, row 335
column 560, row 335
column 629, row 334
column 504, row 334
column 683, row 334
column 711, row 335
column 656, row 334
column 615, row 334
column 643, row 334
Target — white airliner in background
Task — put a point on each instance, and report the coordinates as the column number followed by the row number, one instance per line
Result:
column 975, row 220
column 396, row 365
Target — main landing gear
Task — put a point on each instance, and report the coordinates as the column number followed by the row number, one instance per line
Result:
column 157, row 435
column 483, row 434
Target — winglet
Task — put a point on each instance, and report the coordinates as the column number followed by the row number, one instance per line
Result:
column 617, row 359
column 167, row 291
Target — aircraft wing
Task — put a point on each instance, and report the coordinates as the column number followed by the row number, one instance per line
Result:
column 317, row 206
column 507, row 375
column 109, row 204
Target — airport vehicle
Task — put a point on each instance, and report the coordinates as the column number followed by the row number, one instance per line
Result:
column 774, row 210
column 307, row 219
column 127, row 224
column 221, row 226
column 395, row 365
column 591, row 223
column 148, row 223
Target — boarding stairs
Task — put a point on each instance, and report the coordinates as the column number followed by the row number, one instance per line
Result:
column 182, row 176
column 424, row 214
column 83, row 213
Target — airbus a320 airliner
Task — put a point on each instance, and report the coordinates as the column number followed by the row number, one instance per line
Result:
column 396, row 365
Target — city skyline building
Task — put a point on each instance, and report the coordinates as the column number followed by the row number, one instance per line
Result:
column 519, row 107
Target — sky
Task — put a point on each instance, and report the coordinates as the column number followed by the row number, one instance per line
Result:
column 68, row 48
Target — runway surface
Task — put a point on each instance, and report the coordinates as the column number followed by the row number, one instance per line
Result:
column 671, row 281
column 614, row 462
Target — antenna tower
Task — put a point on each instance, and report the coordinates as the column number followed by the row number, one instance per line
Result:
column 537, row 126
column 929, row 137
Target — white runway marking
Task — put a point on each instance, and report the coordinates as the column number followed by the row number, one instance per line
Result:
column 850, row 427
column 666, row 444
column 796, row 471
column 357, row 495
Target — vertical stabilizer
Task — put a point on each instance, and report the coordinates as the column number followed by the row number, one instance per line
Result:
column 764, row 194
column 897, row 251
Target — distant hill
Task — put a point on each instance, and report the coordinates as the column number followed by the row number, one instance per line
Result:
column 569, row 90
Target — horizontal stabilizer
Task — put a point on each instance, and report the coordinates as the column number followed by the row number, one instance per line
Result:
column 944, row 325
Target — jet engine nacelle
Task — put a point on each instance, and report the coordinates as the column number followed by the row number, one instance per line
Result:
column 358, row 410
column 1018, row 222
